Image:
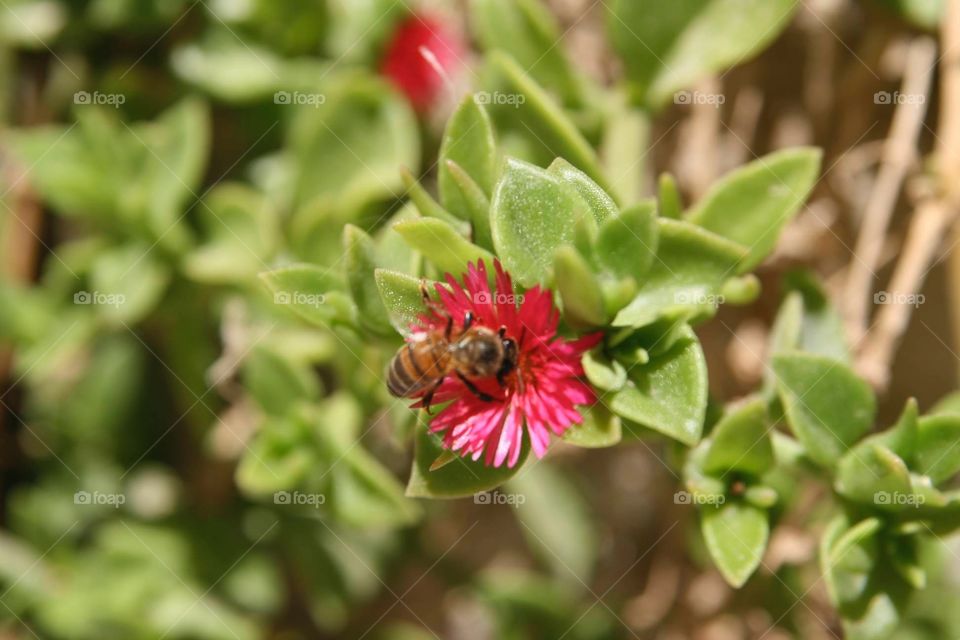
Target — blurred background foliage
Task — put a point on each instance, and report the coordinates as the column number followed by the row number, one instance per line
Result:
column 155, row 151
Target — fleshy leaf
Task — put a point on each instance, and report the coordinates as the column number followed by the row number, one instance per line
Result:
column 821, row 330
column 429, row 207
column 669, row 196
column 533, row 213
column 668, row 47
column 313, row 293
column 468, row 141
column 827, row 406
column 752, row 204
column 275, row 382
column 627, row 241
column 847, row 558
column 938, row 452
column 459, row 478
column 602, row 372
column 556, row 522
column 690, row 267
column 546, row 120
column 872, row 474
column 127, row 283
column 441, row 244
column 601, row 205
column 736, row 536
column 526, row 30
column 402, row 297
column 359, row 265
column 668, row 394
column 600, row 428
column 740, row 442
column 475, row 201
column 578, row 288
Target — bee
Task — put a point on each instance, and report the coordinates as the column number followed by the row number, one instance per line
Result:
column 472, row 352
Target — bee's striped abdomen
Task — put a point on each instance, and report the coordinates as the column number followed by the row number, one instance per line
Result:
column 414, row 368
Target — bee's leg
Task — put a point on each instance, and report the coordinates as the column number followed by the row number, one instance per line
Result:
column 424, row 291
column 448, row 330
column 486, row 397
column 428, row 396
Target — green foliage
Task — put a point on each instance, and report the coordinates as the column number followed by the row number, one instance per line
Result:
column 229, row 276
column 668, row 48
column 751, row 205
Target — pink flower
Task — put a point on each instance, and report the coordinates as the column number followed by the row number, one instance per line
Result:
column 539, row 395
column 410, row 71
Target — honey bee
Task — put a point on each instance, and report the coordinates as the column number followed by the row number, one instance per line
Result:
column 472, row 352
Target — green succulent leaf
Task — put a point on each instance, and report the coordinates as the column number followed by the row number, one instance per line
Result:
column 740, row 442
column 428, row 207
column 402, row 296
column 360, row 264
column 467, row 141
column 348, row 148
column 671, row 206
column 476, row 203
column 603, row 372
column 688, row 271
column 601, row 205
column 669, row 393
column 458, row 478
column 624, row 151
column 241, row 235
column 279, row 457
column 948, row 404
column 528, row 31
column 937, row 450
column 901, row 438
column 821, row 330
column 555, row 519
column 128, row 282
column 540, row 116
column 533, row 213
column 578, row 288
column 751, row 205
column 313, row 293
column 736, row 535
column 827, row 406
column 442, row 245
column 669, row 47
column 848, row 556
column 277, row 383
column 600, row 428
column 873, row 474
column 627, row 241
